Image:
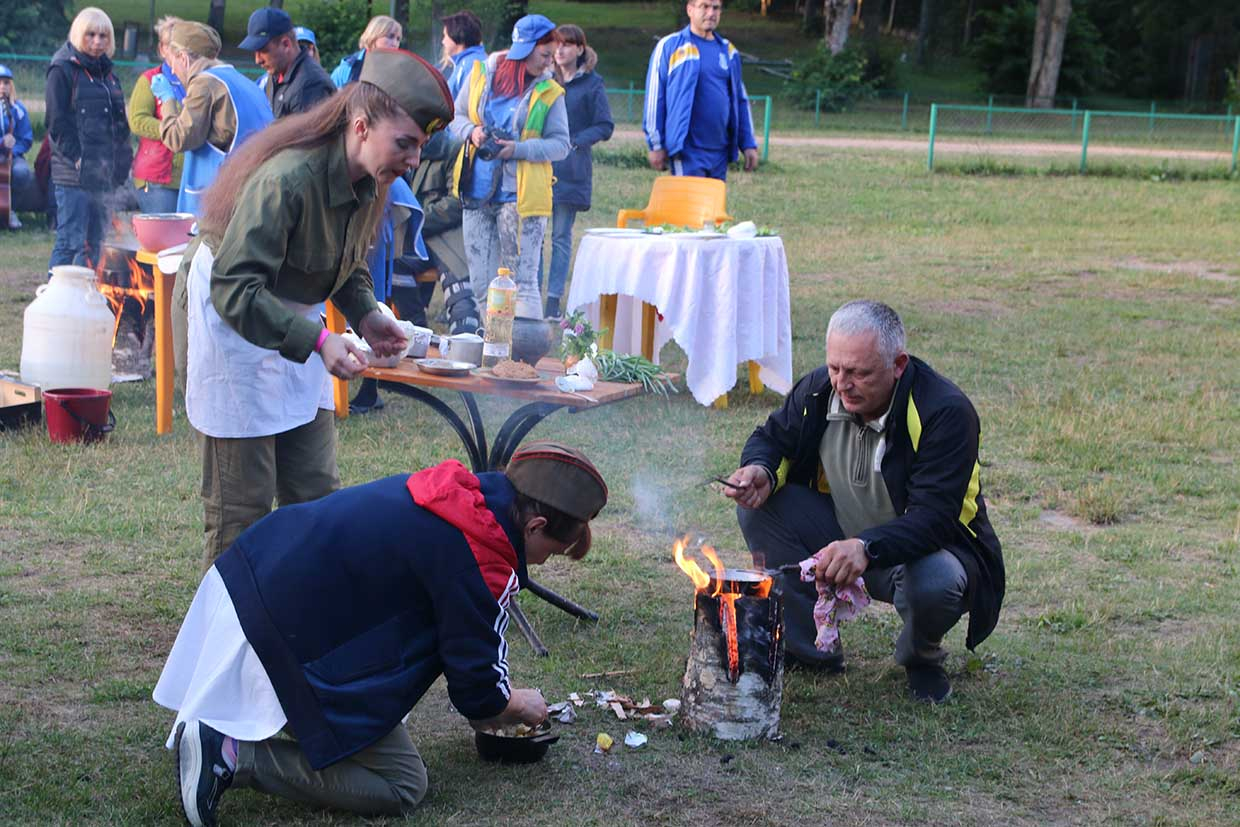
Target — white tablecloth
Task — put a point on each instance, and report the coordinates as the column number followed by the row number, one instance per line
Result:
column 723, row 300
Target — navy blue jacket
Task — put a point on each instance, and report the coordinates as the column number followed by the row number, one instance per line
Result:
column 931, row 470
column 86, row 121
column 357, row 602
column 589, row 122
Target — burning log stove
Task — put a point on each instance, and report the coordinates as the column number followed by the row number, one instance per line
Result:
column 129, row 287
column 734, row 679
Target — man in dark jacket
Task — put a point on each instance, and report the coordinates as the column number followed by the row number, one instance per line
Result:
column 873, row 461
column 296, row 81
column 333, row 618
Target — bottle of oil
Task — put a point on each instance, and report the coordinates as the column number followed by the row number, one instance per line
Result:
column 501, row 309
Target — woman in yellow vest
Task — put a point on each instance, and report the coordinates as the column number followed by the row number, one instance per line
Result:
column 512, row 118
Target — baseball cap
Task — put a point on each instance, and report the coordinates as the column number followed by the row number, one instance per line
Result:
column 5, row 72
column 304, row 35
column 526, row 33
column 265, row 23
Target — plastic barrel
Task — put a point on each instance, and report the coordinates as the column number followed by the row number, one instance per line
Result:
column 78, row 414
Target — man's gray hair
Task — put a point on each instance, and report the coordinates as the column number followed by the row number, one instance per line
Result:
column 865, row 316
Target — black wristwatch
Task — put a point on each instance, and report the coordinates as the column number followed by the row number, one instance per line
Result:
column 866, row 546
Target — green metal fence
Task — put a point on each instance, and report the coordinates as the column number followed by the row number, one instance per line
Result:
column 1042, row 136
column 627, row 106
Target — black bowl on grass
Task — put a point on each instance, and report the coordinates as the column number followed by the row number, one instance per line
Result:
column 513, row 750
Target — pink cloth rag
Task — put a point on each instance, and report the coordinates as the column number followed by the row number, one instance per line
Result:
column 835, row 603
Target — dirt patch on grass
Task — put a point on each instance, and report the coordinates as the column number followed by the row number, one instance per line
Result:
column 1065, row 522
column 973, row 308
column 1196, row 269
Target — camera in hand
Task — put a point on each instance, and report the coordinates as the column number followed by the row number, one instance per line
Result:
column 491, row 146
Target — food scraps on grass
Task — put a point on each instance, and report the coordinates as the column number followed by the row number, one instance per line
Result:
column 603, row 743
column 635, row 740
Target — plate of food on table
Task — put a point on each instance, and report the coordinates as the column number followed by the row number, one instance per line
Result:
column 517, row 373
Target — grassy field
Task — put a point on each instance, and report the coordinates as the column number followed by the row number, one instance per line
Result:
column 1093, row 321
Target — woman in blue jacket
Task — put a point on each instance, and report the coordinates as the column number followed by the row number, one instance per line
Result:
column 331, row 619
column 589, row 122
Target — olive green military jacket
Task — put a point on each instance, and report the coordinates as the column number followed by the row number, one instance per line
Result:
column 300, row 232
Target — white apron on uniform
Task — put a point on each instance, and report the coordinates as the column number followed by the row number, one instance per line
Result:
column 234, row 389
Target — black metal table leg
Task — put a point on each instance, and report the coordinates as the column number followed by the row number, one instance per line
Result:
column 468, row 437
column 523, row 624
column 515, row 427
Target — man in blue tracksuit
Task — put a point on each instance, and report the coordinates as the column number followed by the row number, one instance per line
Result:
column 697, row 111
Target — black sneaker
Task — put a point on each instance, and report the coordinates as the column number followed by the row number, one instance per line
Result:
column 928, row 684
column 202, row 775
column 551, row 308
column 825, row 663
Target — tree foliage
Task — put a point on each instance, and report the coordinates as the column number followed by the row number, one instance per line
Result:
column 1002, row 51
column 841, row 78
column 32, row 26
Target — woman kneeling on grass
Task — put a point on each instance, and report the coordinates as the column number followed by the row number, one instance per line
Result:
column 286, row 226
column 331, row 619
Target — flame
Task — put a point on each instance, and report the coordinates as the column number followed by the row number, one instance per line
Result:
column 142, row 289
column 690, row 567
column 710, row 555
column 727, row 622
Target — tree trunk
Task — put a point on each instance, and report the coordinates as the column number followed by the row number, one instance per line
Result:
column 215, row 15
column 436, row 34
column 279, row 4
column 871, row 22
column 400, row 12
column 1048, row 37
column 838, row 14
column 809, row 13
column 968, row 24
column 924, row 23
column 891, row 16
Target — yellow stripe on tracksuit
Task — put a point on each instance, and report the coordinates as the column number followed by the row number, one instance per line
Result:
column 968, row 510
column 685, row 52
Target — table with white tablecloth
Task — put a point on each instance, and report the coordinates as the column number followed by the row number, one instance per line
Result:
column 723, row 300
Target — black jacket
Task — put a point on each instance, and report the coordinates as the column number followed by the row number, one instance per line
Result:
column 305, row 84
column 589, row 122
column 931, row 470
column 86, row 122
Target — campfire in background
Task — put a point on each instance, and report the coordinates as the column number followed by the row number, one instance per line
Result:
column 734, row 679
column 129, row 287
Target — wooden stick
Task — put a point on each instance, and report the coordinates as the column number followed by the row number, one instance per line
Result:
column 523, row 624
column 610, row 674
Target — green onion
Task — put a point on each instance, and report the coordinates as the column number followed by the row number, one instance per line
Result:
column 614, row 367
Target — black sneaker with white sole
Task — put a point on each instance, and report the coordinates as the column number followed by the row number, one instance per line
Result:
column 202, row 774
column 928, row 684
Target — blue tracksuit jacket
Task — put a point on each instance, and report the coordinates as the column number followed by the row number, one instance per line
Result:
column 671, row 82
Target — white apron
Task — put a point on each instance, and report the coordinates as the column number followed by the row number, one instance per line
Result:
column 234, row 389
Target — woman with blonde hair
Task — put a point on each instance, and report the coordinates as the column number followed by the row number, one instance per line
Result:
column 156, row 169
column 286, row 226
column 89, row 136
column 382, row 32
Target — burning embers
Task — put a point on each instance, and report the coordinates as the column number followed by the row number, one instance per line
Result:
column 129, row 288
column 733, row 682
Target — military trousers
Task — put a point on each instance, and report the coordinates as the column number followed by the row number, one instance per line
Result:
column 387, row 778
column 242, row 477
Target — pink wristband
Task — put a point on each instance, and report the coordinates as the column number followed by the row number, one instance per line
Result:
column 323, row 334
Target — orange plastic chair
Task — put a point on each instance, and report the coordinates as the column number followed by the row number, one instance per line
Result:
column 682, row 199
column 687, row 201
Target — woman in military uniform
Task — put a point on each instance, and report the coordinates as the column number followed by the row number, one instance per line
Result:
column 285, row 227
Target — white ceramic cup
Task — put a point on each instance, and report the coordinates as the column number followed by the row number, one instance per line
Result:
column 419, row 341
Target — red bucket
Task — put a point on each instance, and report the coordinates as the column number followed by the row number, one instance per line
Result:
column 78, row 414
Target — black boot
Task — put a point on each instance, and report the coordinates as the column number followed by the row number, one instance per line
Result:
column 552, row 308
column 367, row 398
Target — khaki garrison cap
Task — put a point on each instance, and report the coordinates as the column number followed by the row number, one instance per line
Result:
column 559, row 476
column 199, row 38
column 415, row 84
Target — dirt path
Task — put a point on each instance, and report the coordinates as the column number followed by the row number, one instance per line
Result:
column 1037, row 148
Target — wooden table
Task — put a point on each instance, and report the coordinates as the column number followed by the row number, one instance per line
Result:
column 540, row 401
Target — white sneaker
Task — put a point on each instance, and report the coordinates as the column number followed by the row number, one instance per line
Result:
column 14, row 222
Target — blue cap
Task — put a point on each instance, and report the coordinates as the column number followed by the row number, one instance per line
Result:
column 304, row 35
column 265, row 24
column 5, row 72
column 526, row 33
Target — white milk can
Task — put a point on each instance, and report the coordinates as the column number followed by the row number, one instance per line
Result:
column 67, row 333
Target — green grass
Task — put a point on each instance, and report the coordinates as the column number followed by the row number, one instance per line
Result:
column 1092, row 321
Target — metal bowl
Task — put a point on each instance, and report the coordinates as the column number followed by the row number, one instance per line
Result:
column 739, row 581
column 508, row 750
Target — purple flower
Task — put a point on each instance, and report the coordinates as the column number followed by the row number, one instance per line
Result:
column 563, row 324
column 579, row 329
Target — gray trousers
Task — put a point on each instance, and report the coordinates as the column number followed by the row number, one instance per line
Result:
column 495, row 236
column 386, row 778
column 929, row 593
column 241, row 477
